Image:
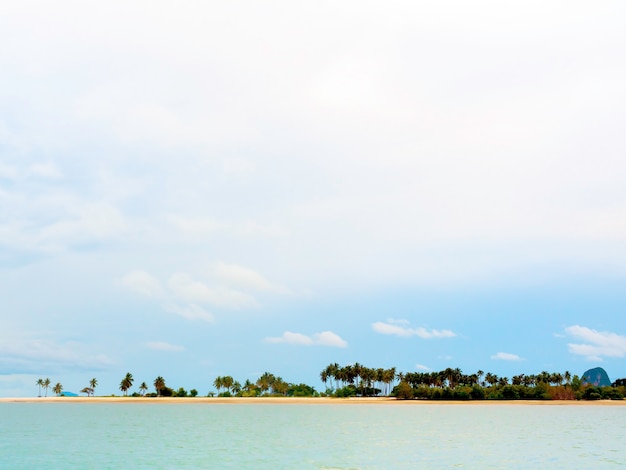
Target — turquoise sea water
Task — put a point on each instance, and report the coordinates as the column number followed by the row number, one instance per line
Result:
column 268, row 436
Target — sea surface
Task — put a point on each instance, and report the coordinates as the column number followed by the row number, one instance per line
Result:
column 279, row 436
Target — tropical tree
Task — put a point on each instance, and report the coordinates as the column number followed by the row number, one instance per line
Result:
column 57, row 389
column 126, row 383
column 491, row 379
column 218, row 383
column 265, row 382
column 87, row 390
column 280, row 387
column 39, row 385
column 46, row 385
column 159, row 385
column 480, row 374
column 143, row 388
column 93, row 383
column 568, row 377
column 228, row 382
column 324, row 376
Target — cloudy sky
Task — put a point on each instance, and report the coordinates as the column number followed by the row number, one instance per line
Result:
column 193, row 189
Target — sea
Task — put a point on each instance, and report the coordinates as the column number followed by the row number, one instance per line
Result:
column 293, row 436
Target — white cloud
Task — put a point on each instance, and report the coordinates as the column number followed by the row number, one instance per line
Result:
column 185, row 296
column 190, row 312
column 596, row 344
column 30, row 353
column 246, row 278
column 163, row 346
column 325, row 338
column 142, row 283
column 503, row 356
column 328, row 338
column 184, row 287
column 422, row 367
column 404, row 331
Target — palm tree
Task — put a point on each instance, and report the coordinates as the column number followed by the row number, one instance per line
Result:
column 324, row 376
column 159, row 384
column 227, row 382
column 39, row 385
column 127, row 383
column 480, row 374
column 568, row 377
column 46, row 385
column 92, row 384
column 280, row 387
column 57, row 389
column 332, row 371
column 218, row 383
column 143, row 388
column 265, row 382
column 491, row 379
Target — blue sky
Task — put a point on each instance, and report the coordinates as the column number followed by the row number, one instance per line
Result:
column 196, row 189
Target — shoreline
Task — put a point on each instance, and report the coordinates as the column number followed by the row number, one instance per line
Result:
column 306, row 401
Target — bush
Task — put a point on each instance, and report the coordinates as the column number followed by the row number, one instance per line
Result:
column 301, row 390
column 422, row 392
column 477, row 393
column 462, row 393
column 403, row 391
column 167, row 392
column 345, row 392
column 509, row 392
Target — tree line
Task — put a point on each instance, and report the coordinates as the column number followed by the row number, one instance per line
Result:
column 453, row 384
column 358, row 380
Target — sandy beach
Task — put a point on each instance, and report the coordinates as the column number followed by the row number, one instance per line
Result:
column 307, row 401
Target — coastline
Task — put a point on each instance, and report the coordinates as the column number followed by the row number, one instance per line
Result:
column 307, row 401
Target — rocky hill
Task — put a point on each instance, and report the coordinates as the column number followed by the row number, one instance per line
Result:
column 597, row 377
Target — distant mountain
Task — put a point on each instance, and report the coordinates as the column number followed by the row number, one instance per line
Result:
column 597, row 377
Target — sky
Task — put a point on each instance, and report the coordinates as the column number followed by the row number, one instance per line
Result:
column 195, row 189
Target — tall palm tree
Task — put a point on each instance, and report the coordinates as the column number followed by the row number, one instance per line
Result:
column 568, row 377
column 39, row 385
column 480, row 374
column 159, row 384
column 218, row 383
column 265, row 382
column 57, row 389
column 143, row 388
column 333, row 370
column 127, row 383
column 491, row 379
column 324, row 376
column 280, row 387
column 93, row 384
column 46, row 385
column 228, row 382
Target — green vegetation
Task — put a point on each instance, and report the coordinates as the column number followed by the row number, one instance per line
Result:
column 126, row 383
column 357, row 380
column 453, row 384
